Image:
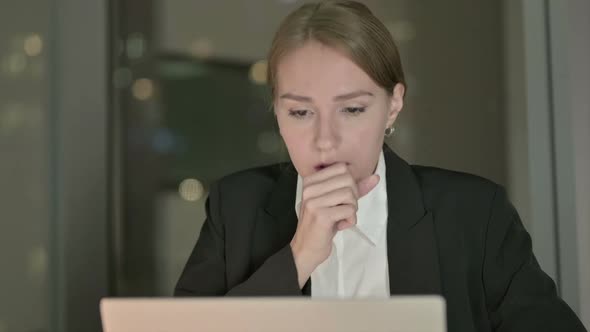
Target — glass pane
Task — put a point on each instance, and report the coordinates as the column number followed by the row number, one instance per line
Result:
column 25, row 167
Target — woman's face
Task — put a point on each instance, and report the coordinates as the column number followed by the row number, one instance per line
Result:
column 329, row 110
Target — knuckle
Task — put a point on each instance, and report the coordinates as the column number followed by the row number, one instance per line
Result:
column 352, row 209
column 351, row 182
column 307, row 205
column 350, row 192
column 305, row 193
column 308, row 181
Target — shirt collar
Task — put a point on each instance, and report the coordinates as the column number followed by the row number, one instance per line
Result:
column 372, row 208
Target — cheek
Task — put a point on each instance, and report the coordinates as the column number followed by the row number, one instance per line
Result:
column 292, row 134
column 297, row 143
column 365, row 134
column 365, row 144
column 299, row 155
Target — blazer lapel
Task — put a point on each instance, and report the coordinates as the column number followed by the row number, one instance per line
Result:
column 412, row 252
column 275, row 222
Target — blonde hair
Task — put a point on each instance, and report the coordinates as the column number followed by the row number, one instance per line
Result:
column 348, row 26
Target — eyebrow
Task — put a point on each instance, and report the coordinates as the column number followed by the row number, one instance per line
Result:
column 343, row 97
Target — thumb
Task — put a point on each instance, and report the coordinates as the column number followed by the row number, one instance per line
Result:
column 367, row 184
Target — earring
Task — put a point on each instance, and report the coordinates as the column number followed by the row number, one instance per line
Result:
column 389, row 131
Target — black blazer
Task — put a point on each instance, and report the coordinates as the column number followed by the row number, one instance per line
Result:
column 448, row 233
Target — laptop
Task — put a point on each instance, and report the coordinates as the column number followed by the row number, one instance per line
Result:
column 396, row 314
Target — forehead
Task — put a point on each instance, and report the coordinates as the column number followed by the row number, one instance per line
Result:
column 316, row 69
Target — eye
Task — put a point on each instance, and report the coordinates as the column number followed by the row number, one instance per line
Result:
column 354, row 110
column 298, row 113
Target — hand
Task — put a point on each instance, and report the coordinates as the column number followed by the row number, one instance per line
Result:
column 328, row 204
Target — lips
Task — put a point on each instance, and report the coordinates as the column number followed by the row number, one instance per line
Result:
column 322, row 166
column 319, row 167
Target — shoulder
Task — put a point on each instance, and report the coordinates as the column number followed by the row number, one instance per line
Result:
column 441, row 187
column 442, row 180
column 468, row 208
column 260, row 176
column 250, row 185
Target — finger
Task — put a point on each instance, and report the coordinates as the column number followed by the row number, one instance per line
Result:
column 367, row 184
column 339, row 181
column 344, row 224
column 331, row 216
column 337, row 197
column 326, row 173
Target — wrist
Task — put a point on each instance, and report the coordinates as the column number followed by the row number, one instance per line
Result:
column 303, row 264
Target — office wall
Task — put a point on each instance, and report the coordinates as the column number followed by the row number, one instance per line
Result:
column 548, row 117
column 570, row 59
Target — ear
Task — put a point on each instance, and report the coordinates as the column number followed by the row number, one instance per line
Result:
column 396, row 103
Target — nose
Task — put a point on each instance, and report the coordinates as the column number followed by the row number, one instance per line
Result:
column 327, row 136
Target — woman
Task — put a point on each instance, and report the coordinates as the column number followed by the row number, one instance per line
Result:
column 348, row 217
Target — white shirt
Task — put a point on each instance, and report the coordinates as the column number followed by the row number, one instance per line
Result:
column 357, row 266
